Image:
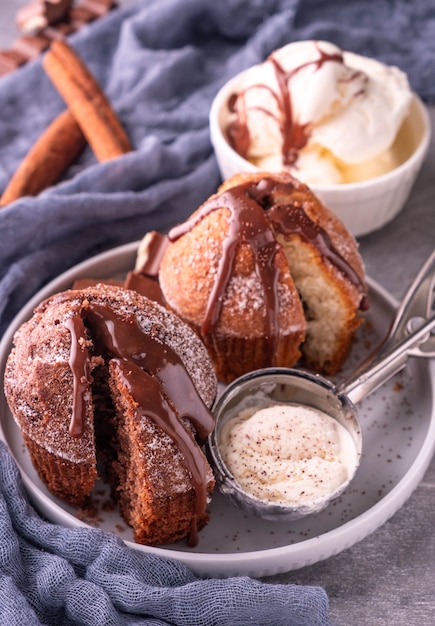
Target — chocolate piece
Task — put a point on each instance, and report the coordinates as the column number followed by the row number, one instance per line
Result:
column 97, row 7
column 43, row 21
column 58, row 31
column 31, row 46
column 146, row 286
column 35, row 16
column 10, row 60
column 81, row 15
column 145, row 277
column 150, row 253
column 83, row 283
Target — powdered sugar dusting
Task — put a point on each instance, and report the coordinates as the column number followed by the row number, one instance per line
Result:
column 38, row 379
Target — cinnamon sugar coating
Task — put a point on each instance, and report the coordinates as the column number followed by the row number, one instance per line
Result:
column 143, row 464
column 297, row 292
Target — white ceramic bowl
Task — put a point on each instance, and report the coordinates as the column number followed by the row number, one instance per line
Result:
column 362, row 206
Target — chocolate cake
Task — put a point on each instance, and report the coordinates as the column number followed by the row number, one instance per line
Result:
column 265, row 274
column 105, row 375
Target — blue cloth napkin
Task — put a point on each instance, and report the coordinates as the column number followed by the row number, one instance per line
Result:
column 59, row 576
column 161, row 62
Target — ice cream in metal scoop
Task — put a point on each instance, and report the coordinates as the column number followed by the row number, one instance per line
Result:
column 287, row 442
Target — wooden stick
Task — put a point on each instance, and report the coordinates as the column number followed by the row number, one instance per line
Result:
column 86, row 101
column 47, row 160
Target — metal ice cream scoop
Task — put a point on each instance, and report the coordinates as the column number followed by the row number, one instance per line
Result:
column 411, row 334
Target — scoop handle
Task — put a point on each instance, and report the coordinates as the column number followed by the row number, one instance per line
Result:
column 376, row 374
column 417, row 303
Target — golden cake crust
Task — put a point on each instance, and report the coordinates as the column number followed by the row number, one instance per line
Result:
column 304, row 274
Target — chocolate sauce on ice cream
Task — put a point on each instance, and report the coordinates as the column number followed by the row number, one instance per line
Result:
column 326, row 115
column 294, row 135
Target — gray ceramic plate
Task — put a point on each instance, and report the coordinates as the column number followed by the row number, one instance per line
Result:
column 399, row 440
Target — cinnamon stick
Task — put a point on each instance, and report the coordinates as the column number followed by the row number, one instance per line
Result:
column 86, row 101
column 47, row 160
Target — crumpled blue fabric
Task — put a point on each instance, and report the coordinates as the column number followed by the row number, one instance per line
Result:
column 50, row 575
column 161, row 62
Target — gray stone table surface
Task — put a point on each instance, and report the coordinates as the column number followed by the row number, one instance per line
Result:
column 388, row 578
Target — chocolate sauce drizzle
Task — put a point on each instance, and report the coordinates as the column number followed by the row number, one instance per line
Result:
column 157, row 381
column 291, row 219
column 253, row 220
column 79, row 363
column 247, row 224
column 294, row 135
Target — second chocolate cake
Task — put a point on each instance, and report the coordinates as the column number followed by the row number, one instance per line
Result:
column 104, row 374
column 265, row 273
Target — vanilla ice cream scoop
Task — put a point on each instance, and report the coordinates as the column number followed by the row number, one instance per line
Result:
column 288, row 453
column 326, row 115
column 284, row 444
